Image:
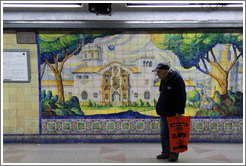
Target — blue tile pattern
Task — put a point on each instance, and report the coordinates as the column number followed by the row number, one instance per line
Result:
column 147, row 126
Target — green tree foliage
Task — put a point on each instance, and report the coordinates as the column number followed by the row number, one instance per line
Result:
column 194, row 96
column 77, row 111
column 55, row 98
column 146, row 104
column 155, row 102
column 89, row 104
column 140, row 103
column 217, row 98
column 134, row 104
column 49, row 95
column 43, row 94
column 73, row 102
column 196, row 49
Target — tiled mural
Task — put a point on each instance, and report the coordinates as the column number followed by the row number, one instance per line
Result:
column 86, row 74
column 102, row 82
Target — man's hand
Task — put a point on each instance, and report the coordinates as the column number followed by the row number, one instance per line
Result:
column 178, row 116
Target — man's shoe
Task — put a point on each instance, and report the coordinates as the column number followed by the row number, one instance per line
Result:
column 173, row 158
column 162, row 156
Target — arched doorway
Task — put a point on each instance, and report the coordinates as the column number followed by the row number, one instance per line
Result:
column 116, row 99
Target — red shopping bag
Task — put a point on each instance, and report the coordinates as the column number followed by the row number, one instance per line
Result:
column 179, row 133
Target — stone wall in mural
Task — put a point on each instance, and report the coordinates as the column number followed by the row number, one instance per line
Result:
column 104, row 73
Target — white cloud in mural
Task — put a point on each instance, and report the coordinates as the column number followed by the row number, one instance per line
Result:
column 131, row 46
column 73, row 61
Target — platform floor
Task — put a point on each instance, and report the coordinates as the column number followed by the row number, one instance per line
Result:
column 118, row 153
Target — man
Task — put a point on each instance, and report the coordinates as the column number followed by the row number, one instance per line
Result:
column 171, row 102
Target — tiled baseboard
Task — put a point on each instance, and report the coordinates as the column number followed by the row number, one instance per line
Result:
column 224, row 130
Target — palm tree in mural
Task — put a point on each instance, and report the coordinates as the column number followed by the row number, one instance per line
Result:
column 56, row 48
column 197, row 49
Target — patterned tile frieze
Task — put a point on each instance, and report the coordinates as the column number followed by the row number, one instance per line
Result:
column 100, row 126
column 199, row 126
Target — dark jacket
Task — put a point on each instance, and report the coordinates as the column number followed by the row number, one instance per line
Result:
column 172, row 97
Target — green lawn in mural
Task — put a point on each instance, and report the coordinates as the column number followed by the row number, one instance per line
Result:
column 93, row 73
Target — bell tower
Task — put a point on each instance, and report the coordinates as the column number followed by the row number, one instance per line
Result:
column 92, row 55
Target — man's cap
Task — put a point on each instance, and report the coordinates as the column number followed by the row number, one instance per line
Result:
column 161, row 66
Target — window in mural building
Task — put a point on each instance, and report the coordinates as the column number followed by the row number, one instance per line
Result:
column 147, row 64
column 86, row 77
column 150, row 64
column 95, row 95
column 147, row 95
column 124, row 64
column 84, row 95
column 147, row 82
column 78, row 77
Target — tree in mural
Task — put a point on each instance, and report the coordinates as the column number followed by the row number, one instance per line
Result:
column 55, row 49
column 194, row 96
column 54, row 53
column 197, row 49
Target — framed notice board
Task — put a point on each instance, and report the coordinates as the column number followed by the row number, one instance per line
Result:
column 16, row 66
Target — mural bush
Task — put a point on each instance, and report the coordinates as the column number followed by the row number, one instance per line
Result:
column 134, row 104
column 194, row 96
column 147, row 104
column 217, row 98
column 51, row 108
column 89, row 103
column 140, row 103
column 238, row 100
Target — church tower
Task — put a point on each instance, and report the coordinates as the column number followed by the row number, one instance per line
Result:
column 92, row 55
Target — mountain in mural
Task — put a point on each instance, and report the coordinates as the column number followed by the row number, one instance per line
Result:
column 126, row 114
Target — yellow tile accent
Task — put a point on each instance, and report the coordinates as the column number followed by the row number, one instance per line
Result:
column 20, row 114
column 12, row 105
column 20, row 130
column 20, row 102
column 12, row 113
column 27, row 106
column 12, row 122
column 5, row 123
column 28, row 130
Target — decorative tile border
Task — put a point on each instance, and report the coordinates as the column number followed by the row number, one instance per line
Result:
column 213, row 130
column 206, row 126
column 100, row 126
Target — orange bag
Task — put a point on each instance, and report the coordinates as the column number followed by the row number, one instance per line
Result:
column 179, row 133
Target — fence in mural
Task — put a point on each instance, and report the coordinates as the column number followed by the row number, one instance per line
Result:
column 91, row 75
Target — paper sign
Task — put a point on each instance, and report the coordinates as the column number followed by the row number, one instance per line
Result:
column 15, row 66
